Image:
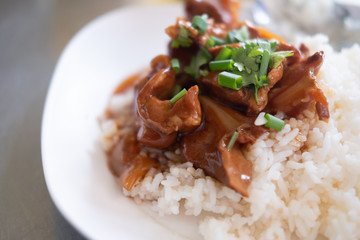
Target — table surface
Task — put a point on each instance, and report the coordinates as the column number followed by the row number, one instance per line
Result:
column 33, row 34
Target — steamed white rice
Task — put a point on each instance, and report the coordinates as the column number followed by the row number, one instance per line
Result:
column 306, row 178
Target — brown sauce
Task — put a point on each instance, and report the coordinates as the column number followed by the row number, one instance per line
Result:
column 203, row 124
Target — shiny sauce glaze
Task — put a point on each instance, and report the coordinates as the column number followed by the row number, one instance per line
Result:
column 204, row 121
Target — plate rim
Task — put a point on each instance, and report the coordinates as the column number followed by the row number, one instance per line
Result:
column 102, row 18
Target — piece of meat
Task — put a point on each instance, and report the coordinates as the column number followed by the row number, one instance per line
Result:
column 274, row 76
column 223, row 11
column 204, row 146
column 155, row 139
column 213, row 29
column 173, row 30
column 238, row 168
column 157, row 63
column 161, row 115
column 159, row 121
column 298, row 89
column 244, row 97
column 183, row 54
column 126, row 162
column 236, row 98
column 299, row 54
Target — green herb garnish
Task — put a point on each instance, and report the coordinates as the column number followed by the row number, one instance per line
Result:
column 178, row 96
column 202, row 57
column 232, row 140
column 256, row 51
column 230, row 80
column 264, row 64
column 274, row 122
column 265, row 44
column 277, row 57
column 182, row 40
column 220, row 65
column 239, row 35
column 175, row 64
column 199, row 23
column 210, row 42
column 214, row 41
column 225, row 53
column 241, row 57
column 251, row 61
column 259, row 82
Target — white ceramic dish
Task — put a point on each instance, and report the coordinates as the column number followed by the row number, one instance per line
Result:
column 106, row 51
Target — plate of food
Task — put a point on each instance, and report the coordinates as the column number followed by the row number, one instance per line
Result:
column 179, row 121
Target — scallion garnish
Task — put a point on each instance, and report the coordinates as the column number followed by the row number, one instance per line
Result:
column 274, row 122
column 178, row 96
column 183, row 38
column 210, row 42
column 199, row 23
column 224, row 54
column 260, row 120
column 251, row 61
column 221, row 65
column 175, row 64
column 232, row 140
column 218, row 41
column 230, row 80
column 264, row 63
column 214, row 41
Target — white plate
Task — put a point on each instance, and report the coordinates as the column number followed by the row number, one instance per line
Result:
column 106, row 51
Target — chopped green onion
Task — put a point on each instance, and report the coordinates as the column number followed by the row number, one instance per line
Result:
column 221, row 65
column 264, row 63
column 232, row 140
column 230, row 80
column 199, row 23
column 260, row 82
column 218, row 41
column 274, row 122
column 183, row 38
column 224, row 54
column 178, row 96
column 215, row 41
column 175, row 64
column 210, row 42
column 260, row 120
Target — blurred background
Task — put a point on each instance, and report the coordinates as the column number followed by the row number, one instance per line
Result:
column 33, row 34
